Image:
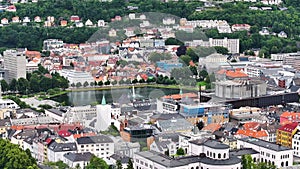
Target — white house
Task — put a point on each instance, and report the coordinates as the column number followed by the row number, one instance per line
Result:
column 74, row 160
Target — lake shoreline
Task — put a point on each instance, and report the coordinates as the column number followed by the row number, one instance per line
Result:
column 190, row 88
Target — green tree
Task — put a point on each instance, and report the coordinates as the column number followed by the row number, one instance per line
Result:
column 186, row 59
column 85, row 84
column 13, row 85
column 96, row 163
column 34, row 83
column 134, row 81
column 58, row 165
column 118, row 164
column 92, row 84
column 78, row 84
column 202, row 74
column 192, row 54
column 22, row 85
column 107, row 83
column 173, row 41
column 13, row 157
column 100, row 83
column 247, row 162
column 194, row 70
column 222, row 50
column 130, row 164
column 180, row 151
column 114, row 82
column 200, row 125
column 141, row 81
column 4, row 86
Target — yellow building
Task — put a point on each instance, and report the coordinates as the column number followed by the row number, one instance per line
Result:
column 285, row 134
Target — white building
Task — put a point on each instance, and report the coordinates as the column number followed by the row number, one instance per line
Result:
column 57, row 114
column 253, row 71
column 15, row 63
column 52, row 44
column 101, row 146
column 202, row 154
column 164, row 146
column 75, row 77
column 7, row 103
column 272, row 153
column 167, row 106
column 233, row 45
column 56, row 151
column 81, row 114
column 77, row 159
column 103, row 116
column 296, row 143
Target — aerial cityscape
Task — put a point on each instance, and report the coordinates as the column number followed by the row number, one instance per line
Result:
column 149, row 84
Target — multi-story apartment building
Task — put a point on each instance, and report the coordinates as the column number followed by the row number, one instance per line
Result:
column 233, row 45
column 101, row 146
column 15, row 64
column 285, row 134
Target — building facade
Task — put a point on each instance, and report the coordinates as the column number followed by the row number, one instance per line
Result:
column 15, row 63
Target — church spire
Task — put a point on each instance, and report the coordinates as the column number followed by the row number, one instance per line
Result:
column 103, row 102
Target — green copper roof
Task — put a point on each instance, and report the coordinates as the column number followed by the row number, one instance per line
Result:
column 103, row 100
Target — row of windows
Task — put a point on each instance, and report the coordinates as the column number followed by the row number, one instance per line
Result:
column 267, row 154
column 213, row 155
column 97, row 145
column 284, row 156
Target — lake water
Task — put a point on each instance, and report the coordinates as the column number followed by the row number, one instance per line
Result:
column 112, row 95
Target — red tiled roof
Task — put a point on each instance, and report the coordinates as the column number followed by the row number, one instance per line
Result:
column 180, row 96
column 212, row 127
column 288, row 127
column 251, row 133
column 64, row 133
column 251, row 125
column 83, row 135
column 236, row 74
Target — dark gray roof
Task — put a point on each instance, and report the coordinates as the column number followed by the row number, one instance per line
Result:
column 210, row 143
column 231, row 161
column 243, row 151
column 56, row 111
column 60, row 147
column 21, row 111
column 215, row 144
column 182, row 161
column 166, row 116
column 123, row 159
column 162, row 144
column 75, row 157
column 173, row 136
column 294, row 88
column 29, row 140
column 94, row 139
column 265, row 144
column 5, row 122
